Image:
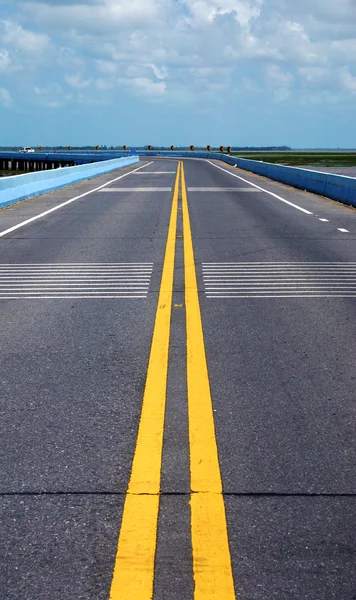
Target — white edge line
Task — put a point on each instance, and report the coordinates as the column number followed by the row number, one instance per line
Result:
column 47, row 212
column 307, row 212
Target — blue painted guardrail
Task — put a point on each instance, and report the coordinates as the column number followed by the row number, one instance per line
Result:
column 336, row 187
column 19, row 187
column 78, row 158
column 84, row 157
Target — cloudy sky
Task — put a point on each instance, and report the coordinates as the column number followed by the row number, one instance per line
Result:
column 232, row 72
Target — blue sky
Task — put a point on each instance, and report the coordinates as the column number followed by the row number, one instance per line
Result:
column 231, row 72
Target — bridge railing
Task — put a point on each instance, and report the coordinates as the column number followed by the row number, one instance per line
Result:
column 337, row 187
column 19, row 187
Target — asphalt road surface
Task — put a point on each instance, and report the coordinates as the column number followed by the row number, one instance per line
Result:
column 178, row 414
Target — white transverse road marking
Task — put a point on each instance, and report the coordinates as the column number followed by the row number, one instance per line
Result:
column 138, row 189
column 279, row 280
column 47, row 212
column 307, row 212
column 116, row 280
column 157, row 173
column 223, row 189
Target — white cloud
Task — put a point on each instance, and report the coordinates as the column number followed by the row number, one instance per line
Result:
column 280, row 82
column 159, row 72
column 179, row 50
column 207, row 10
column 52, row 96
column 5, row 61
column 107, row 67
column 76, row 81
column 5, row 97
column 104, row 84
column 314, row 75
column 103, row 16
column 67, row 58
column 15, row 36
column 278, row 78
column 145, row 85
column 348, row 80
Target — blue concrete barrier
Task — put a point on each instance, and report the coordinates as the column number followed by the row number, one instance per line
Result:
column 337, row 187
column 19, row 187
column 71, row 157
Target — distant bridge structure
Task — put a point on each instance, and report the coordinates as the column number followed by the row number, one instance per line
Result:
column 40, row 161
column 337, row 187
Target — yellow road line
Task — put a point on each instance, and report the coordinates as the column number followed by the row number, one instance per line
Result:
column 134, row 566
column 211, row 554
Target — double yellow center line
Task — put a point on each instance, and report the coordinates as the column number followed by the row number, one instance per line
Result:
column 133, row 577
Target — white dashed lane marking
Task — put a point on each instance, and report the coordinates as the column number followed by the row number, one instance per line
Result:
column 279, row 280
column 109, row 280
